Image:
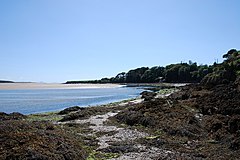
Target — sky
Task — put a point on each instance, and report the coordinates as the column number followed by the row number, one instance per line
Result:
column 60, row 40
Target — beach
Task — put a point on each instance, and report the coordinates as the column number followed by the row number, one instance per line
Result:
column 14, row 86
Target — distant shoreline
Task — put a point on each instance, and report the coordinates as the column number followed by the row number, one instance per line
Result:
column 16, row 86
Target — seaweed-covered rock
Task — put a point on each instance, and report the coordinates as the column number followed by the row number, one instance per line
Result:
column 70, row 109
column 11, row 116
column 223, row 99
column 235, row 144
column 148, row 95
column 234, row 124
column 133, row 117
column 84, row 113
column 22, row 139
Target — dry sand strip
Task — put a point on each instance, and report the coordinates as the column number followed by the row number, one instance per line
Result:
column 13, row 86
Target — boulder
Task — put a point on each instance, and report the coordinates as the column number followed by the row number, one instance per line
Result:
column 147, row 96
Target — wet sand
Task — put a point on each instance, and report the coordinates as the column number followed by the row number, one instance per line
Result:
column 13, row 86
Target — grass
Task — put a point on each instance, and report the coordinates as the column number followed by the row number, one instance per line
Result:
column 167, row 91
column 48, row 116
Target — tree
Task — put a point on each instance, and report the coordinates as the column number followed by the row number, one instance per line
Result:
column 134, row 76
column 230, row 54
column 171, row 73
column 152, row 75
column 184, row 74
column 120, row 78
column 225, row 72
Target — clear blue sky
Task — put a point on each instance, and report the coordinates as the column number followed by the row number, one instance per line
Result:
column 59, row 40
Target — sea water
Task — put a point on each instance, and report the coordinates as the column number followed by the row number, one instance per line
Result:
column 46, row 100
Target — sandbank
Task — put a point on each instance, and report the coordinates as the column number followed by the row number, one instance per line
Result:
column 13, row 86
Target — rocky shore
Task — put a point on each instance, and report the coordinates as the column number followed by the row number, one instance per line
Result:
column 193, row 122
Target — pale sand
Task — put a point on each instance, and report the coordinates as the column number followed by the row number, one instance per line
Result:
column 12, row 86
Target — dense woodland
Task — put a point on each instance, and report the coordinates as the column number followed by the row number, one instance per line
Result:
column 180, row 72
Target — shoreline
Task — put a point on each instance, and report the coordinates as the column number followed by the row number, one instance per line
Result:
column 119, row 102
column 19, row 86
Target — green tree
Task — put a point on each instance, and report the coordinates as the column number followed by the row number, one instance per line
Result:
column 134, row 76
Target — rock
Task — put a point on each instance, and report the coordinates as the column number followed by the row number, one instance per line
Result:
column 120, row 149
column 223, row 99
column 70, row 109
column 133, row 118
column 21, row 139
column 11, row 116
column 234, row 124
column 235, row 144
column 147, row 96
column 216, row 126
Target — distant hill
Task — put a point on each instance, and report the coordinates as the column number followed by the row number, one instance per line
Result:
column 3, row 81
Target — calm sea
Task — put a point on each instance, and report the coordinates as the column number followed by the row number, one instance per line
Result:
column 46, row 100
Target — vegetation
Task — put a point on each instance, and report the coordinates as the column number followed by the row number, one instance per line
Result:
column 3, row 81
column 180, row 73
column 23, row 139
column 200, row 121
column 226, row 72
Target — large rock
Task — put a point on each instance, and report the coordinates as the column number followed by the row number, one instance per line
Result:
column 146, row 95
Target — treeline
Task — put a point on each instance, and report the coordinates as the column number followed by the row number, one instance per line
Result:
column 87, row 81
column 178, row 73
column 3, row 81
column 174, row 73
